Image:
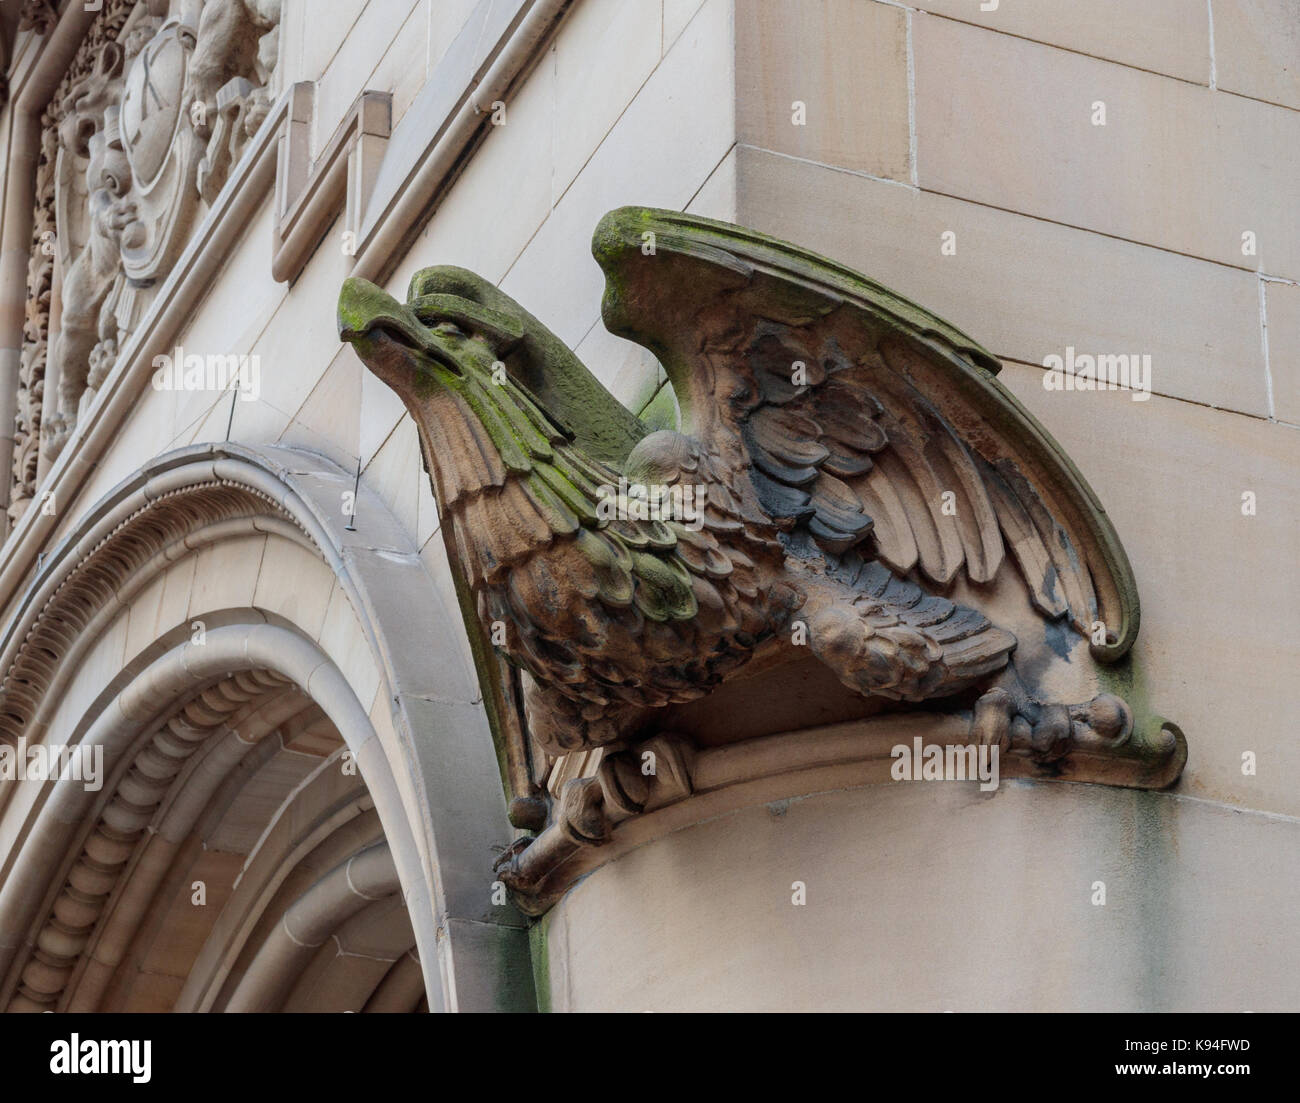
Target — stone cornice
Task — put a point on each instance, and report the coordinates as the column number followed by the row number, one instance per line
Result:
column 493, row 52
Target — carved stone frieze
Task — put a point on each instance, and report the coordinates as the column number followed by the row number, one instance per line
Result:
column 29, row 418
column 157, row 106
column 852, row 493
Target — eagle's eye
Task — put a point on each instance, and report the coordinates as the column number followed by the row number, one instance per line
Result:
column 448, row 329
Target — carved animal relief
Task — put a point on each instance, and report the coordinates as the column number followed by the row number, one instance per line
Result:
column 856, row 524
column 155, row 109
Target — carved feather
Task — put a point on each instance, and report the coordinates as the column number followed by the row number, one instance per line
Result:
column 869, row 423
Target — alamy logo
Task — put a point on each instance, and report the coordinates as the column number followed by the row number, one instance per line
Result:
column 86, row 1055
column 216, row 372
column 1103, row 372
column 41, row 763
column 953, row 762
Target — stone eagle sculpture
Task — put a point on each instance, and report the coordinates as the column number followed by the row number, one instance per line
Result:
column 849, row 481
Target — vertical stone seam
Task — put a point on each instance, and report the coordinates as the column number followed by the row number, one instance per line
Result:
column 1214, row 72
column 1263, row 342
column 911, row 100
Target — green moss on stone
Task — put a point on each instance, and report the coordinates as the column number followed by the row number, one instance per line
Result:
column 538, row 935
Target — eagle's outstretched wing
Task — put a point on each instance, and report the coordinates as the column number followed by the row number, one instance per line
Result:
column 867, row 422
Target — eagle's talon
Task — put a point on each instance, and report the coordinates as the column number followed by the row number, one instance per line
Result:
column 506, row 865
column 1009, row 717
column 1051, row 737
column 993, row 715
column 1107, row 717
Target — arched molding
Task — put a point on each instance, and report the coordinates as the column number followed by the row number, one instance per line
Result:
column 424, row 748
column 367, row 876
column 96, row 867
column 379, row 935
column 327, row 820
column 401, row 988
column 225, row 761
column 30, row 892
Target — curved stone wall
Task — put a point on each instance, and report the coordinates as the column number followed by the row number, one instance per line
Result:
column 932, row 896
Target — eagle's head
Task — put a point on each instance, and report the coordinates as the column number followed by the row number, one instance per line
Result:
column 429, row 343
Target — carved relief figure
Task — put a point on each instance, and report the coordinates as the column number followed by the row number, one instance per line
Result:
column 162, row 100
column 87, row 283
column 60, row 187
column 868, row 494
column 236, row 38
column 90, row 224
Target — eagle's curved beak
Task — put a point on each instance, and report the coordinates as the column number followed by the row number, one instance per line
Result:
column 365, row 308
column 393, row 342
column 436, row 339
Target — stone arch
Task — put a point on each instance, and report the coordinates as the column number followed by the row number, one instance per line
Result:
column 189, row 718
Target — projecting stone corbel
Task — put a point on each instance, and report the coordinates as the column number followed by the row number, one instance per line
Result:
column 308, row 193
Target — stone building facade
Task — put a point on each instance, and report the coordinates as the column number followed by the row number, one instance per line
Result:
column 226, row 597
